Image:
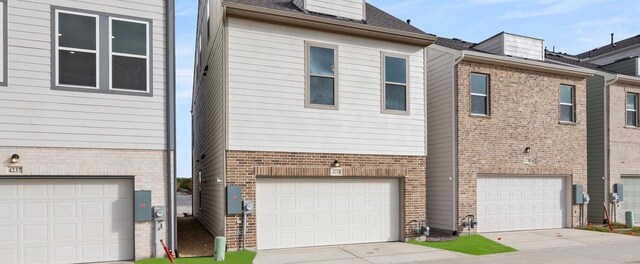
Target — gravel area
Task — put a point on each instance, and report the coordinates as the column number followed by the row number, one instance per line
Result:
column 193, row 239
column 435, row 236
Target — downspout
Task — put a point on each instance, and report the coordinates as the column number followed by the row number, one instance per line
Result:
column 171, row 123
column 606, row 139
column 454, row 111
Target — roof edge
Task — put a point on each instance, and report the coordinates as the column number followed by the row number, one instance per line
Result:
column 525, row 64
column 326, row 24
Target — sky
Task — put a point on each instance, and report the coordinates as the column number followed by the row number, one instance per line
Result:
column 571, row 26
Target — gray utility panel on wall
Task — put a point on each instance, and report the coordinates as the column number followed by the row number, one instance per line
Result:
column 234, row 200
column 142, row 206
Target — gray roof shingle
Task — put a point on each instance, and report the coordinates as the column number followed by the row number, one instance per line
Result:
column 610, row 48
column 375, row 16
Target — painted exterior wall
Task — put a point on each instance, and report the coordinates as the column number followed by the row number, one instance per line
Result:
column 493, row 45
column 353, row 9
column 524, row 113
column 209, row 133
column 441, row 139
column 596, row 126
column 146, row 167
column 32, row 114
column 266, row 95
column 624, row 142
column 523, row 47
column 627, row 67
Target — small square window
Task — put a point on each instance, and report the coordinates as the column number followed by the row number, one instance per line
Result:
column 567, row 103
column 479, row 94
column 395, row 89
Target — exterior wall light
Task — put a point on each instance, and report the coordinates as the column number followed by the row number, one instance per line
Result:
column 527, row 150
column 335, row 164
column 14, row 159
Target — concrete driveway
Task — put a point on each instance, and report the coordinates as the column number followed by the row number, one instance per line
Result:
column 378, row 253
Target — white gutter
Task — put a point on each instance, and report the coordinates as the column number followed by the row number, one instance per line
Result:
column 481, row 57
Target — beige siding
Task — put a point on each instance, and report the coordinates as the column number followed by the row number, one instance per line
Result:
column 32, row 114
column 441, row 142
column 353, row 9
column 523, row 47
column 266, row 95
column 209, row 131
column 596, row 146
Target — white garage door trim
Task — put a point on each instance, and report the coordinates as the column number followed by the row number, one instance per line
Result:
column 66, row 219
column 631, row 198
column 523, row 202
column 306, row 212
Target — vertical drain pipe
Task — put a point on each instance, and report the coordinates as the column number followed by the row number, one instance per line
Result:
column 244, row 229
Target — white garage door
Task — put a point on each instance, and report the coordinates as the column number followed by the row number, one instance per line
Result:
column 65, row 220
column 631, row 192
column 315, row 212
column 521, row 203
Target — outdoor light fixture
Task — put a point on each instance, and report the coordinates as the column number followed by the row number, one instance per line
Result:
column 335, row 164
column 14, row 158
column 527, row 150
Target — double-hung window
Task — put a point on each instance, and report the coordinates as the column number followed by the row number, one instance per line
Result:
column 97, row 52
column 632, row 109
column 129, row 55
column 322, row 70
column 77, row 46
column 395, row 92
column 479, row 94
column 567, row 104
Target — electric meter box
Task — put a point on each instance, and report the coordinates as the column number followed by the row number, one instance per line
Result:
column 159, row 213
column 142, row 211
column 578, row 198
column 234, row 200
column 618, row 188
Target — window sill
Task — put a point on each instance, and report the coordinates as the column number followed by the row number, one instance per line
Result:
column 322, row 107
column 632, row 127
column 480, row 116
column 394, row 112
column 565, row 123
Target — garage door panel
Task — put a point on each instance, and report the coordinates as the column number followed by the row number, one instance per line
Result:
column 335, row 212
column 53, row 221
column 508, row 203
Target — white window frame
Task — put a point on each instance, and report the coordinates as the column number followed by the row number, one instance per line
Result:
column 631, row 110
column 307, row 64
column 3, row 43
column 58, row 48
column 383, row 90
column 111, row 54
column 486, row 96
column 572, row 104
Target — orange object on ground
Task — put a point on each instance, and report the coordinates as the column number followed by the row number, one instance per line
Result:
column 606, row 213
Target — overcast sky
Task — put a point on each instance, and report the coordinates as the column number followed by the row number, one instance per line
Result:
column 571, row 26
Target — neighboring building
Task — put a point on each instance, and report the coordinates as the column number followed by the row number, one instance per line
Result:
column 506, row 135
column 613, row 122
column 86, row 119
column 285, row 91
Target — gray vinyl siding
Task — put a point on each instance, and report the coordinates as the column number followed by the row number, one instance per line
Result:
column 209, row 133
column 494, row 45
column 596, row 146
column 441, row 143
column 628, row 67
column 34, row 115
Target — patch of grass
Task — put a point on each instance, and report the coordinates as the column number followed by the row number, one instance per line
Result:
column 597, row 228
column 240, row 257
column 473, row 245
column 635, row 229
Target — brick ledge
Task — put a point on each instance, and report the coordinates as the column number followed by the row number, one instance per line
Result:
column 324, row 171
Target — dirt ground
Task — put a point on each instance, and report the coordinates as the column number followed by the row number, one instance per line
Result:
column 193, row 239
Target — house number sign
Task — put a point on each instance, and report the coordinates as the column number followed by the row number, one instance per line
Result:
column 14, row 170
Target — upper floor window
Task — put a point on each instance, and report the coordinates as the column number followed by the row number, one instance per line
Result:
column 632, row 109
column 101, row 53
column 321, row 76
column 129, row 55
column 479, row 94
column 395, row 92
column 76, row 53
column 567, row 104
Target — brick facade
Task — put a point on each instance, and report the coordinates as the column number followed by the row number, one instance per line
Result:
column 624, row 142
column 147, row 167
column 524, row 112
column 242, row 167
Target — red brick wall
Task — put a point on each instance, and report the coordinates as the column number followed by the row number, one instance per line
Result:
column 241, row 167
